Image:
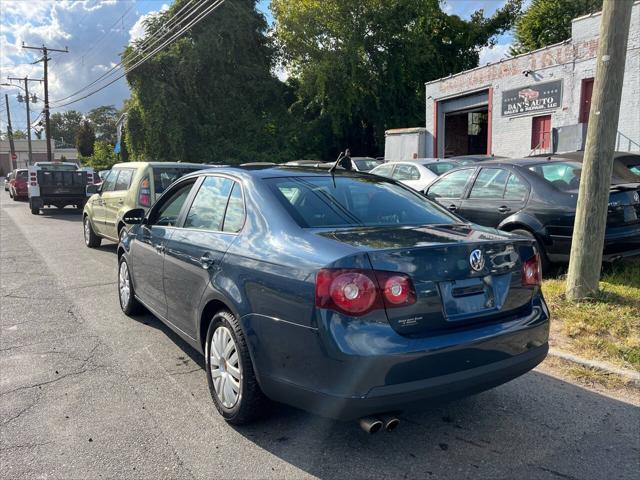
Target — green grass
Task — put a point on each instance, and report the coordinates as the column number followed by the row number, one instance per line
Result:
column 606, row 327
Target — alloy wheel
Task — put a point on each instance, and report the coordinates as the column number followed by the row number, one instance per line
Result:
column 123, row 284
column 87, row 231
column 226, row 371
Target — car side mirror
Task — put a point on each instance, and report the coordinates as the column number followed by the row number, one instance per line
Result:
column 134, row 217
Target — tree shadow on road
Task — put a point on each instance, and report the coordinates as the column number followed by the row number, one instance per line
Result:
column 536, row 426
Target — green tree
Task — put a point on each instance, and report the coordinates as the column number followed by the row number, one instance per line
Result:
column 546, row 22
column 211, row 96
column 85, row 138
column 65, row 125
column 358, row 67
column 104, row 120
column 19, row 135
column 102, row 157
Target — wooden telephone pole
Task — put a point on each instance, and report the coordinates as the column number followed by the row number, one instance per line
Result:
column 45, row 51
column 26, row 81
column 585, row 262
column 12, row 147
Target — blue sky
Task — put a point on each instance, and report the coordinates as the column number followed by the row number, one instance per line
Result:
column 96, row 32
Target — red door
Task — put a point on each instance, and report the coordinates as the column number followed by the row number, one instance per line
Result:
column 541, row 133
column 585, row 100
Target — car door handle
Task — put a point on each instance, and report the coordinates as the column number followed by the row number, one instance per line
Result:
column 452, row 207
column 504, row 209
column 206, row 261
column 159, row 248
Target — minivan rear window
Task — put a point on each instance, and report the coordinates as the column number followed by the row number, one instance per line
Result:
column 323, row 202
column 56, row 167
column 165, row 176
column 22, row 174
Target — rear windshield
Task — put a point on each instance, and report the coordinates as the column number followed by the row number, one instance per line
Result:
column 366, row 165
column 165, row 176
column 57, row 167
column 565, row 176
column 323, row 202
column 22, row 174
column 440, row 167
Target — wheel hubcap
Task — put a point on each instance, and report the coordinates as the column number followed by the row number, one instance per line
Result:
column 226, row 371
column 123, row 283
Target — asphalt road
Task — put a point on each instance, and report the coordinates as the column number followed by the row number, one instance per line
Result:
column 86, row 392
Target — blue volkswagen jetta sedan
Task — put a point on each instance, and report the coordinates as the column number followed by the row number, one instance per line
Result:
column 348, row 295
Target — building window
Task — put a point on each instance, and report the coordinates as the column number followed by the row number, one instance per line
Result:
column 585, row 99
column 541, row 133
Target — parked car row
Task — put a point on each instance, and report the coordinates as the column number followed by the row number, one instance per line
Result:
column 344, row 293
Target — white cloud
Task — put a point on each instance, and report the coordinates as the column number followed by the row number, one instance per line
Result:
column 138, row 30
column 494, row 54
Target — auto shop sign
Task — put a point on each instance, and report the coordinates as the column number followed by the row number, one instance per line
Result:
column 532, row 99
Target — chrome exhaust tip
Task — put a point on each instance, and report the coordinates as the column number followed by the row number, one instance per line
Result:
column 390, row 422
column 371, row 424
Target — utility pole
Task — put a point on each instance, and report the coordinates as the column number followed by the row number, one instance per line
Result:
column 45, row 51
column 12, row 147
column 26, row 81
column 585, row 262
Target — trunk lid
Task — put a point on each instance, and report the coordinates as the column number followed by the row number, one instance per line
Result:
column 450, row 292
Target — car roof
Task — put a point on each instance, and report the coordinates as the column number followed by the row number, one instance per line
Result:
column 160, row 164
column 277, row 171
column 579, row 155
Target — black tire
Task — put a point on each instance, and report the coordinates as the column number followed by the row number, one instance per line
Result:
column 251, row 402
column 91, row 240
column 12, row 196
column 34, row 210
column 546, row 265
column 129, row 304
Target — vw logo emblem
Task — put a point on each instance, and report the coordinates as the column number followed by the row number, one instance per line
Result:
column 476, row 260
column 636, row 197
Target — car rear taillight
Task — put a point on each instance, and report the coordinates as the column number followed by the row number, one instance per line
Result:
column 144, row 196
column 357, row 292
column 33, row 179
column 532, row 272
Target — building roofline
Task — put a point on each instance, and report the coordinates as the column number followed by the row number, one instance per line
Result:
column 499, row 62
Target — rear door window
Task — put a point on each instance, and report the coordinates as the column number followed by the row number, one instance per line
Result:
column 124, row 179
column 490, row 183
column 562, row 175
column 452, row 185
column 234, row 217
column 516, row 189
column 209, row 204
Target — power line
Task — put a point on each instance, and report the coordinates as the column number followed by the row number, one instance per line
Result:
column 144, row 45
column 83, row 55
column 128, row 69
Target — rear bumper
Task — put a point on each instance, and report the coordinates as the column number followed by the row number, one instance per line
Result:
column 619, row 242
column 374, row 370
column 40, row 202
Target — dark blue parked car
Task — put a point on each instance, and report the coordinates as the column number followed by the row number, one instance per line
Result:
column 349, row 295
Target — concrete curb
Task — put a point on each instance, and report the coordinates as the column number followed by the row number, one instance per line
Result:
column 626, row 373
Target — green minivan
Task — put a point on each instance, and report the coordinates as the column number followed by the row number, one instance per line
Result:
column 127, row 186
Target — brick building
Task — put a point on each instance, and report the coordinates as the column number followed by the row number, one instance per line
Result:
column 533, row 103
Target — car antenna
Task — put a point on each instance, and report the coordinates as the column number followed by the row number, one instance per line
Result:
column 335, row 165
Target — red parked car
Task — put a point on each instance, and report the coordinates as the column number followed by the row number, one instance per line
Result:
column 18, row 184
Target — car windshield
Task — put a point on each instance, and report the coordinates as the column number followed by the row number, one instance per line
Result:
column 165, row 176
column 57, row 167
column 22, row 174
column 324, row 202
column 366, row 165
